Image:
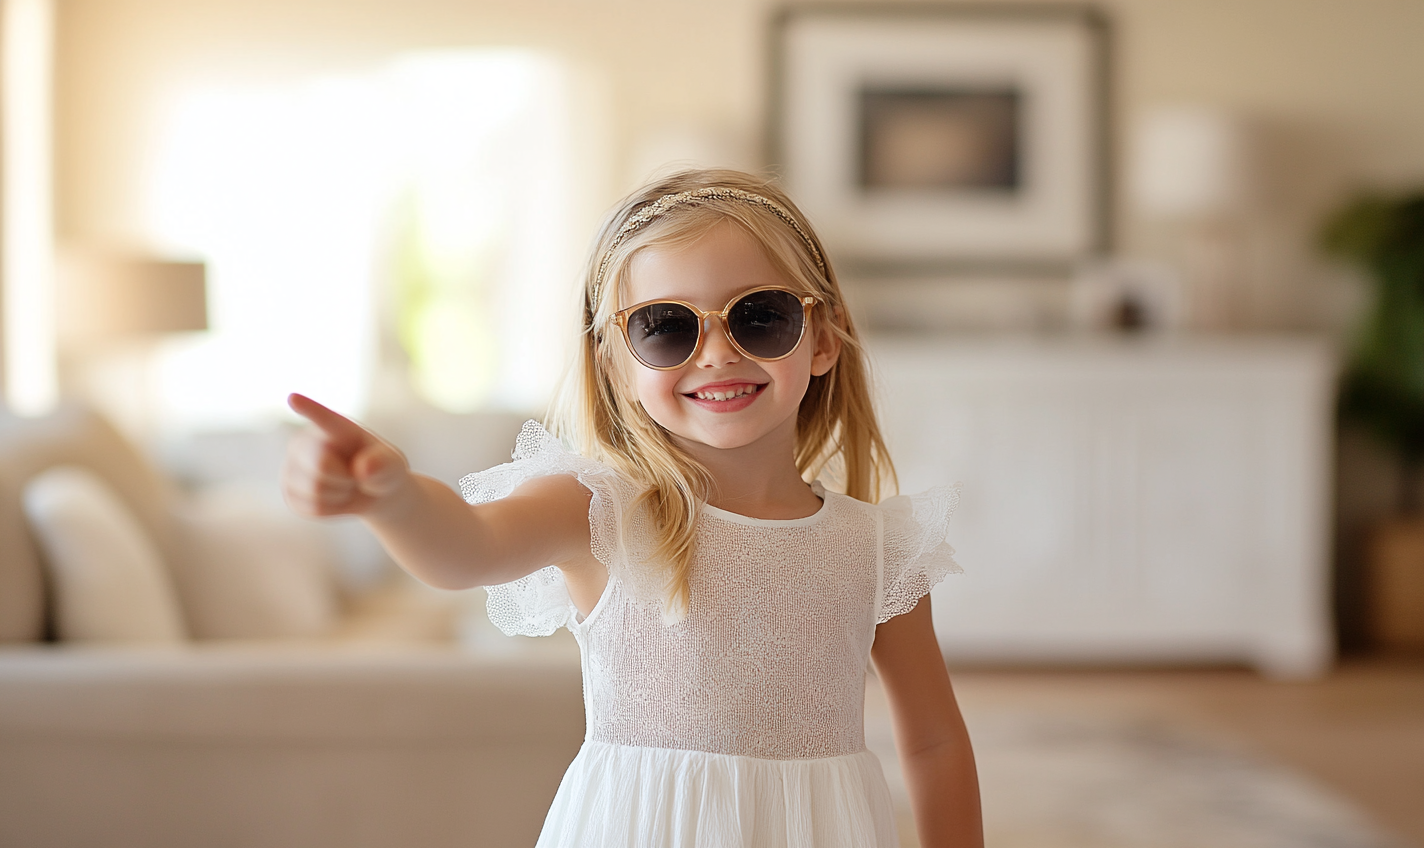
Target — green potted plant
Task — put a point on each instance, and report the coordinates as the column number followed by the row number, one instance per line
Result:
column 1383, row 391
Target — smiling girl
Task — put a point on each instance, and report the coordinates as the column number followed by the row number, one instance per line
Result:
column 727, row 601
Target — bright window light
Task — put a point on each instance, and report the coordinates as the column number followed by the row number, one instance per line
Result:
column 482, row 271
column 31, row 386
column 424, row 207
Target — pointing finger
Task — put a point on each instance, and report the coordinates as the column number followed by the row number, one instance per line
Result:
column 346, row 435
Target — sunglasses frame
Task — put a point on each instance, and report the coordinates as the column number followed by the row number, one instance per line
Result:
column 807, row 302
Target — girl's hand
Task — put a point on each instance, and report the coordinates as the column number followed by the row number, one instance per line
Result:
column 338, row 467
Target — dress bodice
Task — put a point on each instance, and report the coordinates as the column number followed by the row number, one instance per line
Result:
column 770, row 660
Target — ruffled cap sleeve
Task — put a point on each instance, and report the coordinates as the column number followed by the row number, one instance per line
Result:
column 916, row 555
column 539, row 604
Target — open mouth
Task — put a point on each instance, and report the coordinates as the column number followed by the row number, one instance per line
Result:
column 725, row 393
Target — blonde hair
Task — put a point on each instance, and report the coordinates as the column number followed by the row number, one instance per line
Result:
column 836, row 430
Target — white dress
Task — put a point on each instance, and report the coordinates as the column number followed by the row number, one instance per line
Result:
column 743, row 724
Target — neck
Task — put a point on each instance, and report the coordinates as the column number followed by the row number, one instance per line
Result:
column 758, row 480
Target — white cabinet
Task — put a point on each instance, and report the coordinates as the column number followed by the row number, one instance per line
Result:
column 1132, row 499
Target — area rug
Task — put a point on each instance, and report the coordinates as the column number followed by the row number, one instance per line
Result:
column 1074, row 781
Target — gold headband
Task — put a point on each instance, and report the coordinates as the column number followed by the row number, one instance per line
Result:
column 669, row 201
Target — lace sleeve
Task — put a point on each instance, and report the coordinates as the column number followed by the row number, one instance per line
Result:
column 916, row 556
column 539, row 604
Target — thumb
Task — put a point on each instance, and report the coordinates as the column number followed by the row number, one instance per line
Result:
column 379, row 469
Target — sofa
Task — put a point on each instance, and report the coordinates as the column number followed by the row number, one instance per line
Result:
column 392, row 716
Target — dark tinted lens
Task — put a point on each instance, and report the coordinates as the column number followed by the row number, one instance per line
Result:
column 767, row 324
column 663, row 334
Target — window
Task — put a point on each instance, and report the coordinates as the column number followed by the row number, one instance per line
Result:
column 412, row 220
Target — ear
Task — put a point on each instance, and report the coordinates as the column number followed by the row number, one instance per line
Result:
column 827, row 343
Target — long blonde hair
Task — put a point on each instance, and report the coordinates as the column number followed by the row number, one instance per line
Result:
column 836, row 430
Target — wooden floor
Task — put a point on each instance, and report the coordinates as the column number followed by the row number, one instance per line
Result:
column 1359, row 731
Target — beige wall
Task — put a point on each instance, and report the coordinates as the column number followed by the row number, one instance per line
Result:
column 1337, row 85
column 645, row 64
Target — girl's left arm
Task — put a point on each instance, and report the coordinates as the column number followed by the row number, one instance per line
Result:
column 929, row 731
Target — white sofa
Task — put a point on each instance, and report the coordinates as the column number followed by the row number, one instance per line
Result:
column 384, row 732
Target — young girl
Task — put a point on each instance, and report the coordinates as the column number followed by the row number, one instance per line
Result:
column 726, row 608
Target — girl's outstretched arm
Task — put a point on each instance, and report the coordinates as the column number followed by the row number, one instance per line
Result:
column 929, row 731
column 340, row 468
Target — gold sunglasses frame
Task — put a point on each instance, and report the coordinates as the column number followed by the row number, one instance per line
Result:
column 808, row 301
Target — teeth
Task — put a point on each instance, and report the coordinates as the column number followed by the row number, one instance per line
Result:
column 726, row 394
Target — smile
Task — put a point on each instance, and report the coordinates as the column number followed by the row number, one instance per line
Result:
column 725, row 393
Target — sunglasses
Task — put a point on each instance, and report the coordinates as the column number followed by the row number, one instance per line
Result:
column 764, row 323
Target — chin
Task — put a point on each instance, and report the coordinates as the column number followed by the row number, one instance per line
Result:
column 725, row 443
column 720, row 441
column 744, row 434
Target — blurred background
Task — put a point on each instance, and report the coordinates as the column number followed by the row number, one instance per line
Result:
column 1170, row 533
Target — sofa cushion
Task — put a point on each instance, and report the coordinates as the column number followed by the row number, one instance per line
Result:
column 73, row 435
column 247, row 570
column 110, row 583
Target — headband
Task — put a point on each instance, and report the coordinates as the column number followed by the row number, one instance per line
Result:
column 660, row 206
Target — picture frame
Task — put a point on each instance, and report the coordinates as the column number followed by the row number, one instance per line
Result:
column 946, row 136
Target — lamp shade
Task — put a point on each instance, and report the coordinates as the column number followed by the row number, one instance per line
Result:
column 1189, row 162
column 103, row 298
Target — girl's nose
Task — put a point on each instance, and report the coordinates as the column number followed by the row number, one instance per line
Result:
column 717, row 349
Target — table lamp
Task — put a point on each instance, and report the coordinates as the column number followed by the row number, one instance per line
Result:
column 110, row 311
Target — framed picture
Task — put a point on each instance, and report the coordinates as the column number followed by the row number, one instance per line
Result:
column 945, row 135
